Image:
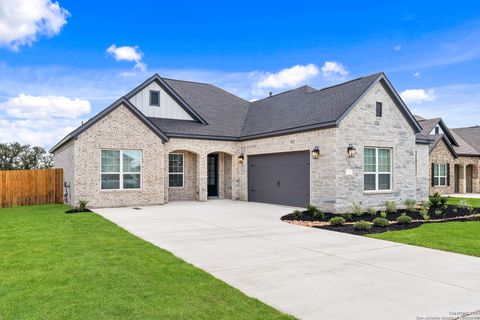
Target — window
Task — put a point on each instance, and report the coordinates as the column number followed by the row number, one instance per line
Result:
column 154, row 98
column 175, row 170
column 379, row 109
column 377, row 169
column 439, row 175
column 121, row 169
column 437, row 130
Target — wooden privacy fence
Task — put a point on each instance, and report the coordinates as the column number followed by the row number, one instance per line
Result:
column 28, row 187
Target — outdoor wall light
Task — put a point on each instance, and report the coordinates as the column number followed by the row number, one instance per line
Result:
column 351, row 151
column 315, row 152
column 241, row 158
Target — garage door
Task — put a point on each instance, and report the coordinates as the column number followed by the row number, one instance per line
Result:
column 280, row 178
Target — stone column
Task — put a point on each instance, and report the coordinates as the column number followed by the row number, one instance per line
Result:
column 202, row 177
column 221, row 175
column 463, row 179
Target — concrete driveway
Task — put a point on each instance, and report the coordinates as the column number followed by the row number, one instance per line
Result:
column 309, row 273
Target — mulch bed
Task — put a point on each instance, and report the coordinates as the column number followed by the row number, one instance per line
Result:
column 437, row 215
column 75, row 210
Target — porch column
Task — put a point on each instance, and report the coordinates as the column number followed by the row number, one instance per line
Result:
column 463, row 179
column 202, row 176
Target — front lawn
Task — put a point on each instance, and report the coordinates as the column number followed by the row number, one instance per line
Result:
column 80, row 266
column 460, row 237
column 473, row 202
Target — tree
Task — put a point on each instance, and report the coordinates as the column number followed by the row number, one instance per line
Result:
column 15, row 156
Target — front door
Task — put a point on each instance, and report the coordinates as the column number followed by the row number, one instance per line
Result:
column 212, row 170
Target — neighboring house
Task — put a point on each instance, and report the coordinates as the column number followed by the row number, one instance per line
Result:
column 454, row 157
column 179, row 140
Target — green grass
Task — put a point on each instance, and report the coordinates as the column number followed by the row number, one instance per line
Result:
column 80, row 266
column 474, row 202
column 460, row 237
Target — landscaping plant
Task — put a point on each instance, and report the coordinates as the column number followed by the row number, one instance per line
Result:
column 426, row 205
column 391, row 206
column 435, row 199
column 314, row 212
column 404, row 219
column 362, row 225
column 357, row 208
column 82, row 205
column 383, row 214
column 372, row 211
column 380, row 222
column 337, row 221
column 297, row 214
column 410, row 204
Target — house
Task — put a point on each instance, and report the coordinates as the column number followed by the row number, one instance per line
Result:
column 454, row 157
column 170, row 140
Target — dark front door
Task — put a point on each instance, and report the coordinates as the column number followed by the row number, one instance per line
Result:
column 280, row 178
column 212, row 170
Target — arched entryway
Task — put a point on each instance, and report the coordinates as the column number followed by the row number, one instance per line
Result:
column 219, row 175
column 181, row 175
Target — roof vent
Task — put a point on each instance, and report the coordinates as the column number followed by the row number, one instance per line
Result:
column 270, row 93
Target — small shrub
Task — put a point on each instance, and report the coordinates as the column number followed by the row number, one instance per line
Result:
column 372, row 211
column 383, row 214
column 357, row 208
column 410, row 204
column 391, row 206
column 319, row 215
column 312, row 209
column 380, row 222
column 463, row 204
column 454, row 210
column 347, row 216
column 297, row 214
column 82, row 205
column 443, row 201
column 435, row 199
column 425, row 216
column 426, row 204
column 337, row 221
column 404, row 219
column 362, row 225
column 438, row 212
column 470, row 209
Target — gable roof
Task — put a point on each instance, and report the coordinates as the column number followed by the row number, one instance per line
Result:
column 470, row 135
column 221, row 115
column 122, row 101
column 428, row 125
column 166, row 87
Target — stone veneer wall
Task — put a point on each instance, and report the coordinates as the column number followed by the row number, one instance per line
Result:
column 362, row 128
column 120, row 129
column 189, row 189
column 64, row 158
column 422, row 173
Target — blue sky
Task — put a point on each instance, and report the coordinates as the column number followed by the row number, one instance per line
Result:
column 56, row 68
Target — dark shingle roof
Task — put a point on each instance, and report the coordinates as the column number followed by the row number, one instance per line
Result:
column 304, row 107
column 428, row 124
column 224, row 112
column 471, row 135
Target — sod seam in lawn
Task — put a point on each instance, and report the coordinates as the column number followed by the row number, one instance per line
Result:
column 81, row 266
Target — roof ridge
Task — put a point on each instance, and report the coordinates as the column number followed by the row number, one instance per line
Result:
column 287, row 91
column 469, row 127
column 189, row 81
column 349, row 81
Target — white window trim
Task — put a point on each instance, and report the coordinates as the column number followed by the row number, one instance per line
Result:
column 377, row 173
column 121, row 173
column 440, row 176
column 183, row 170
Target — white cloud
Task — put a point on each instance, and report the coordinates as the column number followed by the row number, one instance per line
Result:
column 40, row 120
column 44, row 107
column 417, row 95
column 288, row 77
column 416, row 74
column 22, row 21
column 398, row 47
column 128, row 53
column 332, row 69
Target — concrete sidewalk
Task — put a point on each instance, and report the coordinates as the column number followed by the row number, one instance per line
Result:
column 309, row 273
